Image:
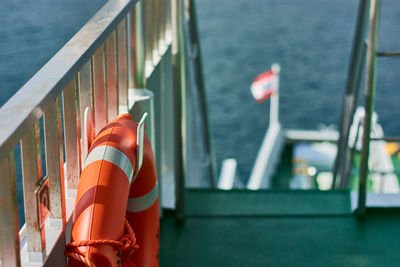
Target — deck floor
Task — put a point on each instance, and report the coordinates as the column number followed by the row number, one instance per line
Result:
column 297, row 237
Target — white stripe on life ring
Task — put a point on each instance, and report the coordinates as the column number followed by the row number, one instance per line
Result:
column 113, row 155
column 144, row 202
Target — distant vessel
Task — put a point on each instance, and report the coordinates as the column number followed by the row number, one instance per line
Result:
column 316, row 198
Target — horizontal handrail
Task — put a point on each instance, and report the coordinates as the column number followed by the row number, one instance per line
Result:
column 18, row 115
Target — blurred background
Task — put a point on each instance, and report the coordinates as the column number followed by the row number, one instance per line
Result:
column 311, row 39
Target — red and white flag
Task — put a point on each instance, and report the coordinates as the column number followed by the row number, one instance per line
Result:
column 264, row 85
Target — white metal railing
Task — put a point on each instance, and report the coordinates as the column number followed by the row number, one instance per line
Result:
column 97, row 68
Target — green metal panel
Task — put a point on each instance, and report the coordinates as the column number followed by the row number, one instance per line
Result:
column 212, row 202
column 209, row 239
column 396, row 165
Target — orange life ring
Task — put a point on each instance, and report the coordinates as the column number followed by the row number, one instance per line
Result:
column 143, row 211
column 104, row 188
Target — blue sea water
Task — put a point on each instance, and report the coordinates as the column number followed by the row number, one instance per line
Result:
column 31, row 32
column 311, row 39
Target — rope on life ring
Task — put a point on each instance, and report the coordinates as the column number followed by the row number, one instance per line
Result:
column 126, row 245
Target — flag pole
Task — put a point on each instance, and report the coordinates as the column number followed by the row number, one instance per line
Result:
column 274, row 104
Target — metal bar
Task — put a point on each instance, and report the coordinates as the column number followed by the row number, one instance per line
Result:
column 111, row 77
column 162, row 16
column 9, row 238
column 30, row 179
column 387, row 54
column 349, row 100
column 137, row 75
column 38, row 151
column 45, row 85
column 347, row 162
column 99, row 90
column 71, row 136
column 85, row 88
column 122, row 66
column 54, row 159
column 138, row 94
column 148, row 30
column 351, row 158
column 60, row 149
column 369, row 103
column 178, row 62
column 78, row 120
column 168, row 30
column 156, row 27
column 194, row 33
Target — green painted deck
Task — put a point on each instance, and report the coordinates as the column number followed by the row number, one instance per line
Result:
column 278, row 228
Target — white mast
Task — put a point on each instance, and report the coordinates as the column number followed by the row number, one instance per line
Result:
column 274, row 104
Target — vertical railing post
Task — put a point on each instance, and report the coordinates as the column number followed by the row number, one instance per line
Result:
column 155, row 12
column 71, row 136
column 162, row 23
column 137, row 76
column 147, row 23
column 369, row 103
column 111, row 76
column 9, row 238
column 178, row 62
column 99, row 89
column 141, row 98
column 122, row 66
column 55, row 162
column 140, row 53
column 85, row 87
column 348, row 162
column 194, row 33
column 168, row 21
column 31, row 173
column 351, row 94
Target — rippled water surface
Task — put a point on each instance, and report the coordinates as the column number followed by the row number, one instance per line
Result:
column 311, row 39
